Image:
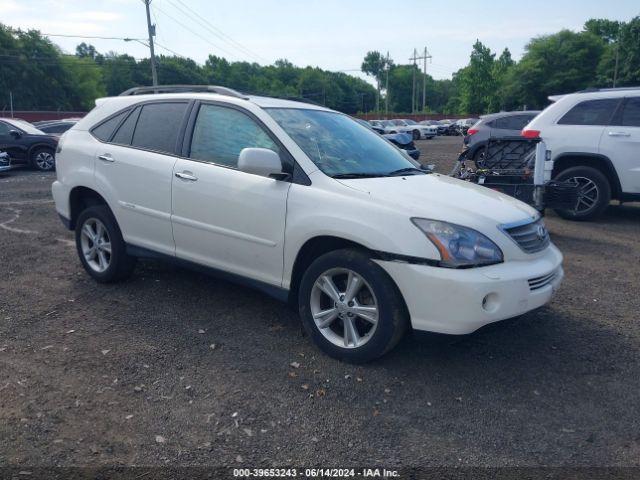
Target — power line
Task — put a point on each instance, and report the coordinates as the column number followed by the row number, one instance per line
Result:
column 215, row 30
column 191, row 31
column 89, row 36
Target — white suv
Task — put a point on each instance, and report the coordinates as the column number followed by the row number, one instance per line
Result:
column 305, row 204
column 594, row 139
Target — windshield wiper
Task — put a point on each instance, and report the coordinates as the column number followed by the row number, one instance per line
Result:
column 403, row 171
column 358, row 175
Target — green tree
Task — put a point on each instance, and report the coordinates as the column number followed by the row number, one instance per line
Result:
column 477, row 82
column 375, row 64
column 553, row 64
column 87, row 82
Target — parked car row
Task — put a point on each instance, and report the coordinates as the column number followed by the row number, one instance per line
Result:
column 425, row 129
column 417, row 130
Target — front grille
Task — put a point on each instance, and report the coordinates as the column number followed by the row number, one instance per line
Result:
column 541, row 282
column 530, row 237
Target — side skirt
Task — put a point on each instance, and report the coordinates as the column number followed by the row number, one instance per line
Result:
column 278, row 293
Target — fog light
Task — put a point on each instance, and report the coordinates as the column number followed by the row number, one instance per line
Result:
column 490, row 302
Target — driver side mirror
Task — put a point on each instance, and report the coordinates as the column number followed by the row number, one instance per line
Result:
column 263, row 162
column 15, row 134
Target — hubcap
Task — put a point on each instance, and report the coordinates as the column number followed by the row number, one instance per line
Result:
column 344, row 308
column 96, row 245
column 588, row 194
column 45, row 161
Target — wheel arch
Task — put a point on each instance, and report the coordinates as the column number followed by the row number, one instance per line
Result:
column 80, row 198
column 593, row 160
column 38, row 145
column 314, row 248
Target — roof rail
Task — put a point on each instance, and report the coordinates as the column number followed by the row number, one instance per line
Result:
column 183, row 89
column 617, row 89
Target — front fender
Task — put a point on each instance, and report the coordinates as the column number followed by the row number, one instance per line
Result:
column 350, row 215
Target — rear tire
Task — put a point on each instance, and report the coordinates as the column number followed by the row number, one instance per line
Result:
column 102, row 251
column 416, row 134
column 43, row 159
column 595, row 193
column 355, row 324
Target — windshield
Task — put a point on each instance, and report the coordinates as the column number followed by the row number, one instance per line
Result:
column 338, row 145
column 24, row 126
column 410, row 122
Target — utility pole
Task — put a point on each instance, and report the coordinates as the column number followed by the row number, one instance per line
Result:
column 386, row 97
column 414, row 95
column 152, row 32
column 615, row 71
column 424, row 79
column 413, row 91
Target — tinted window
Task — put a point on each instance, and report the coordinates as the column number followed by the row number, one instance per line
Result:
column 220, row 134
column 105, row 129
column 513, row 122
column 591, row 112
column 631, row 113
column 125, row 132
column 4, row 129
column 158, row 126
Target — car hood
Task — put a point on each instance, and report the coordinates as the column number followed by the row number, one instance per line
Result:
column 440, row 197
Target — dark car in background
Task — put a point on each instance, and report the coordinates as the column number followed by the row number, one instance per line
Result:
column 495, row 125
column 27, row 145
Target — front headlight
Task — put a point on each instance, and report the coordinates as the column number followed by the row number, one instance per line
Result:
column 459, row 246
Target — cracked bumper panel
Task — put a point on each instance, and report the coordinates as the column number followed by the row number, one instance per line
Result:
column 454, row 301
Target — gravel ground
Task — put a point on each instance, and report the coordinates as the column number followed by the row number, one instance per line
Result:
column 173, row 367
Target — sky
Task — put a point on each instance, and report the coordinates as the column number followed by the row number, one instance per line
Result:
column 332, row 34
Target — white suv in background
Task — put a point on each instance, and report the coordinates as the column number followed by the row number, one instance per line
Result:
column 304, row 203
column 594, row 139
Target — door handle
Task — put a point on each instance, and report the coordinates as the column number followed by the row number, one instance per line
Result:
column 186, row 176
column 106, row 158
column 619, row 134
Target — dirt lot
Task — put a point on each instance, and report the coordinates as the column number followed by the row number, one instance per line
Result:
column 173, row 367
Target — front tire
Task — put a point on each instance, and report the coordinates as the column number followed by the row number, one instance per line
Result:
column 43, row 159
column 594, row 193
column 416, row 134
column 100, row 246
column 350, row 307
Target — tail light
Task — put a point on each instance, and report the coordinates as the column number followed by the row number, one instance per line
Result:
column 472, row 131
column 530, row 133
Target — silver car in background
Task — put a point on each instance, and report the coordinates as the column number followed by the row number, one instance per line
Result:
column 495, row 125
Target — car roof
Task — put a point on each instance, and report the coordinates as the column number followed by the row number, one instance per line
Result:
column 598, row 93
column 260, row 101
column 493, row 116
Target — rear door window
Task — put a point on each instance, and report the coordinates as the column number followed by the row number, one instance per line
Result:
column 631, row 113
column 158, row 126
column 591, row 112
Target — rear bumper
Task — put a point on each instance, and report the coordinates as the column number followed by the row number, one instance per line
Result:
column 60, row 193
column 461, row 301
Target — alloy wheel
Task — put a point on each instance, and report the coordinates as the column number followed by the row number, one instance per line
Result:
column 344, row 308
column 588, row 193
column 96, row 245
column 45, row 160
